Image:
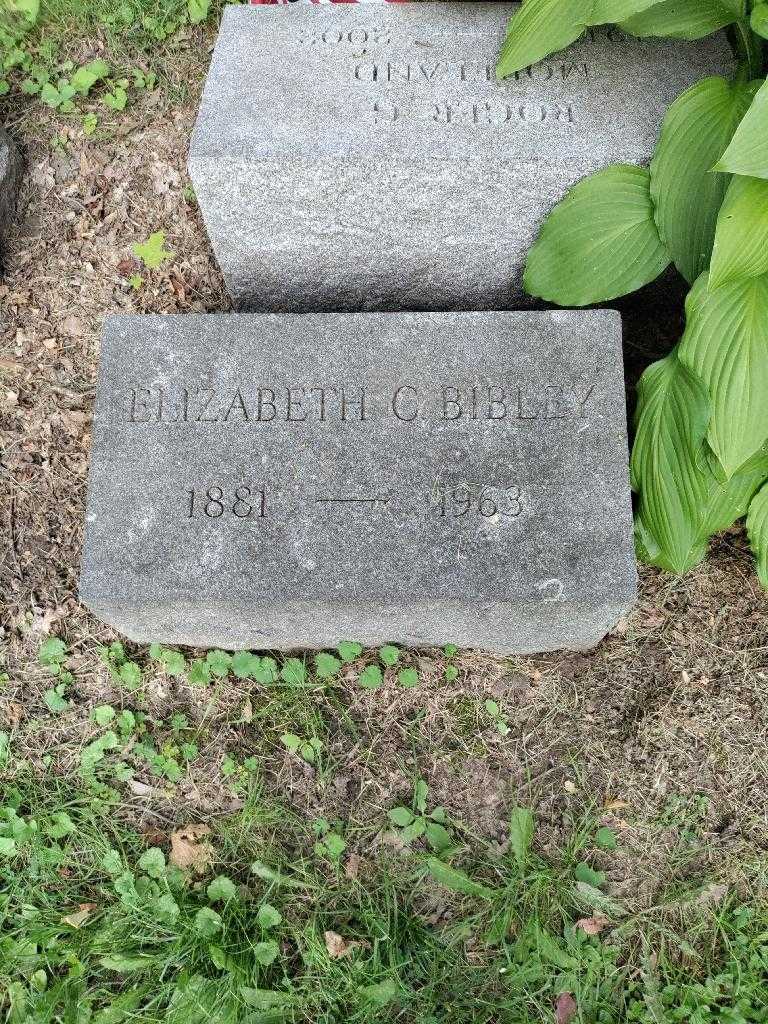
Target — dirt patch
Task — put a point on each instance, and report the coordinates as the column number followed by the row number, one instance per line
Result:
column 664, row 725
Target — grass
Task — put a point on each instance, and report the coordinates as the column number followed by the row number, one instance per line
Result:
column 266, row 914
column 141, row 44
column 112, row 755
column 98, row 924
column 121, row 19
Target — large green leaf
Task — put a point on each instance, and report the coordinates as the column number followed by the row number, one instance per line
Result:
column 542, row 27
column 521, row 829
column 684, row 497
column 456, row 880
column 27, row 10
column 682, row 19
column 198, row 10
column 728, row 500
column 550, row 949
column 613, row 11
column 741, row 238
column 600, row 242
column 672, row 416
column 748, row 150
column 759, row 20
column 539, row 28
column 687, row 196
column 757, row 527
column 726, row 346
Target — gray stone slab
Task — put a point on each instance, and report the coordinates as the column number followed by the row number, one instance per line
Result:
column 10, row 180
column 364, row 157
column 283, row 481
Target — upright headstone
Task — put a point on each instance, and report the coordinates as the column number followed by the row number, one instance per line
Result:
column 285, row 481
column 363, row 157
column 10, row 179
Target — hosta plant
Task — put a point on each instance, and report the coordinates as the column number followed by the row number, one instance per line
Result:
column 700, row 458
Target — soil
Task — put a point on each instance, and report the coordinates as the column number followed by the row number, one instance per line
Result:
column 663, row 729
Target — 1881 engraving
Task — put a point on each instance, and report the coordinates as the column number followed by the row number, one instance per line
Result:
column 243, row 502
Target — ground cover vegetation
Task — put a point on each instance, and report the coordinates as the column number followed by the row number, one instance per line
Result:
column 38, row 47
column 265, row 914
column 699, row 461
column 357, row 835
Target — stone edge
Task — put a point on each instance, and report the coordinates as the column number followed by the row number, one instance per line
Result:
column 10, row 183
column 626, row 595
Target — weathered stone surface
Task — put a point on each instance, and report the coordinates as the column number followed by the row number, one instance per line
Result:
column 364, row 157
column 10, row 179
column 286, row 481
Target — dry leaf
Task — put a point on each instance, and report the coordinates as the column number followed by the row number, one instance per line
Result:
column 74, row 422
column 616, row 805
column 335, row 945
column 569, row 787
column 72, row 326
column 178, row 286
column 164, row 177
column 78, row 917
column 189, row 851
column 393, row 840
column 127, row 266
column 715, row 892
column 592, row 925
column 352, row 867
column 153, row 836
column 13, row 713
column 655, row 618
column 140, row 788
column 565, row 1008
column 43, row 621
column 338, row 947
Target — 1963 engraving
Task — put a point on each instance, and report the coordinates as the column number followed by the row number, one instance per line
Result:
column 489, row 501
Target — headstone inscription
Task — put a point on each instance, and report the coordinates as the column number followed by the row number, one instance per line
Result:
column 283, row 481
column 363, row 157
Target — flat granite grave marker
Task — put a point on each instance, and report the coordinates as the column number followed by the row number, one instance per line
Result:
column 365, row 157
column 281, row 481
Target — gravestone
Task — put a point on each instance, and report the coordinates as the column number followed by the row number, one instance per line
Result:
column 282, row 481
column 363, row 157
column 10, row 180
